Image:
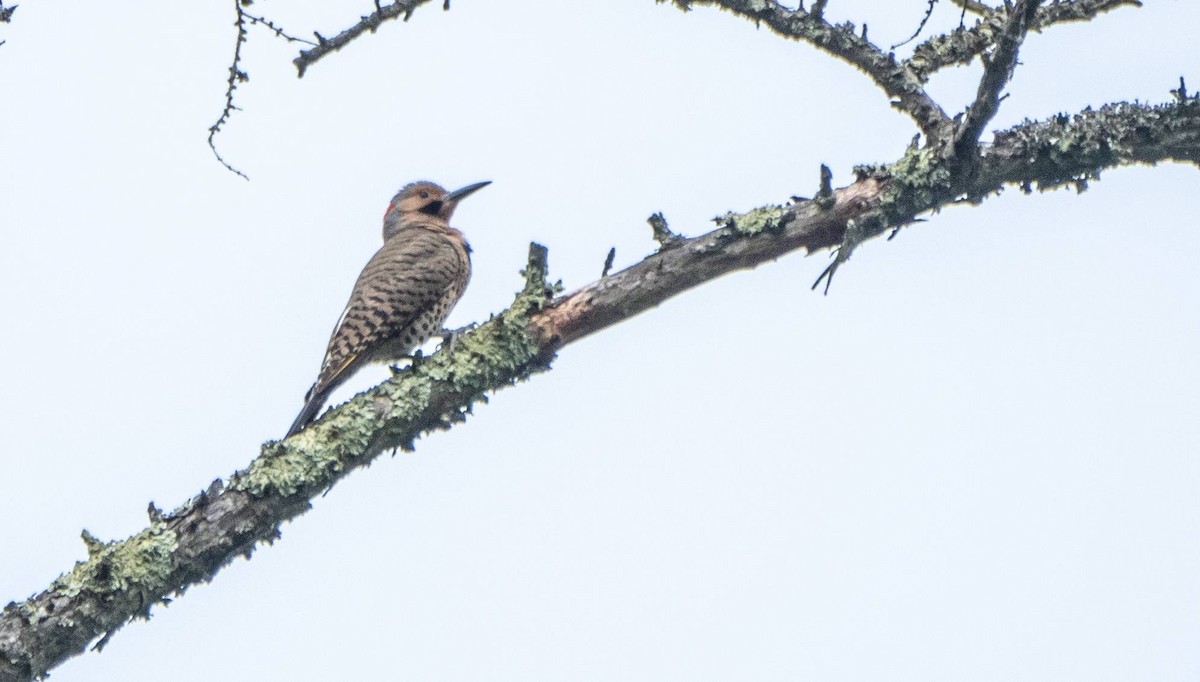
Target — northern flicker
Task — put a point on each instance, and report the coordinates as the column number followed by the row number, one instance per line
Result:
column 405, row 291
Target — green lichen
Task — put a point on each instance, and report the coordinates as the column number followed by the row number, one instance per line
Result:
column 919, row 180
column 763, row 219
column 957, row 47
column 141, row 564
column 430, row 394
column 1068, row 151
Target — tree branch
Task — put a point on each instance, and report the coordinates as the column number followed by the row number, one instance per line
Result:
column 962, row 45
column 121, row 580
column 998, row 69
column 371, row 22
column 897, row 80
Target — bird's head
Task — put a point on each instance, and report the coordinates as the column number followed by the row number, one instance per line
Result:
column 422, row 202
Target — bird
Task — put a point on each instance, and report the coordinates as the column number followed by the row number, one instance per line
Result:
column 404, row 293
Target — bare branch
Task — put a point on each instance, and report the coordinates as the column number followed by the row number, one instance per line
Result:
column 742, row 241
column 902, row 85
column 236, row 75
column 996, row 74
column 277, row 30
column 608, row 262
column 662, row 232
column 371, row 22
column 824, row 197
column 1045, row 155
column 964, row 44
column 1181, row 93
column 920, row 26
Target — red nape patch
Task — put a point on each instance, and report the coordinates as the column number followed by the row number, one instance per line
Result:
column 389, row 210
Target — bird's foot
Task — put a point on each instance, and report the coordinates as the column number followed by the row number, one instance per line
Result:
column 450, row 336
column 414, row 361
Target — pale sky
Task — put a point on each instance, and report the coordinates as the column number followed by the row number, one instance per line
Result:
column 976, row 459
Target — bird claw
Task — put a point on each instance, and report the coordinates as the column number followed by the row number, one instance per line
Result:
column 414, row 361
column 450, row 336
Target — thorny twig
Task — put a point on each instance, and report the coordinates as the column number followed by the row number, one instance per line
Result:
column 236, row 75
column 278, row 31
column 920, row 26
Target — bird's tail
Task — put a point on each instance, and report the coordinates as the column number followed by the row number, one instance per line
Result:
column 312, row 405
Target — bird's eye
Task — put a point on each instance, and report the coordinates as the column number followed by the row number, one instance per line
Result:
column 424, row 195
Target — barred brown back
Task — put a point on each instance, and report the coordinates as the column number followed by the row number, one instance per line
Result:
column 400, row 300
column 404, row 293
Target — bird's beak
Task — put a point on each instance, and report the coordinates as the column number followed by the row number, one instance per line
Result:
column 463, row 192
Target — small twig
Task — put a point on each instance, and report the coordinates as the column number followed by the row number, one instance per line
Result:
column 279, row 32
column 608, row 262
column 858, row 230
column 818, row 9
column 662, row 233
column 824, row 196
column 103, row 641
column 920, row 26
column 827, row 275
column 853, row 236
column 1182, row 94
column 236, row 75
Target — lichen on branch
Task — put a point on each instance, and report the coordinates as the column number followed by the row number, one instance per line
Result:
column 121, row 580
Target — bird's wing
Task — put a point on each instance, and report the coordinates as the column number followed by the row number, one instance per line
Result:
column 402, row 281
